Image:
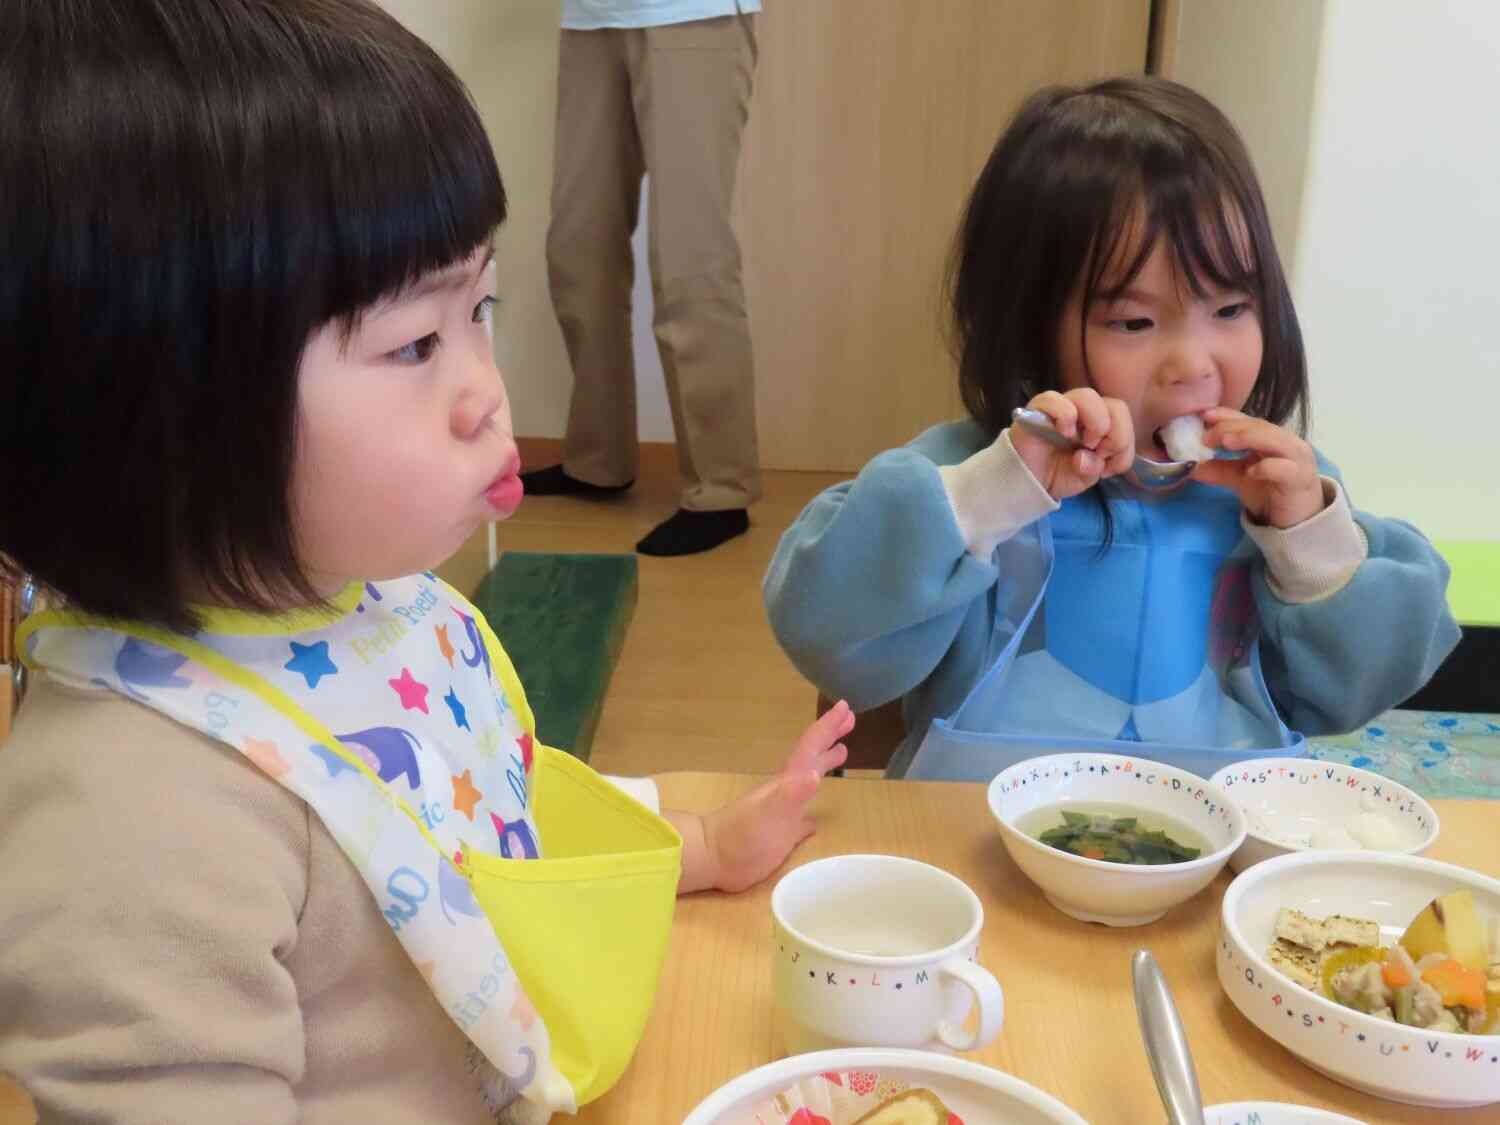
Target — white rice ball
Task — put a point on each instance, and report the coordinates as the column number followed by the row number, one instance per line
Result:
column 1183, row 438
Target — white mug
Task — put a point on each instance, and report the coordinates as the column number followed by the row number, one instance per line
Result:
column 879, row 951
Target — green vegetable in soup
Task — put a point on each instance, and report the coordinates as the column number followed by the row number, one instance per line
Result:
column 1116, row 839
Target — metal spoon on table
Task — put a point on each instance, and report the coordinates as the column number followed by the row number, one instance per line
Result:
column 1150, row 475
column 1166, row 1042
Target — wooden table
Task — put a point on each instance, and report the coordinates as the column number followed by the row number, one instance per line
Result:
column 1070, row 1023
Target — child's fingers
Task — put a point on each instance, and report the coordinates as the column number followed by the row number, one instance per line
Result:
column 1278, row 472
column 1094, row 416
column 1087, row 466
column 1224, row 474
column 1216, row 414
column 830, row 726
column 1060, row 408
column 1259, row 436
column 821, row 738
column 832, row 758
column 1118, row 446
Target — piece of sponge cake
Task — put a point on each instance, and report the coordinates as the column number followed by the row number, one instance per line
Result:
column 914, row 1107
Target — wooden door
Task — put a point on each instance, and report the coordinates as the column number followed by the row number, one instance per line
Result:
column 870, row 121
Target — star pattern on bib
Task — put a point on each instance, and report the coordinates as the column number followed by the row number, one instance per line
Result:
column 413, row 694
column 311, row 662
column 460, row 716
column 465, row 795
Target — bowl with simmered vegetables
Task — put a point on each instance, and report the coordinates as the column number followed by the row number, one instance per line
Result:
column 1380, row 970
column 1114, row 839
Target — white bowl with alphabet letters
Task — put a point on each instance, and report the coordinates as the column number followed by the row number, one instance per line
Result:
column 1302, row 804
column 1272, row 1113
column 1096, row 890
column 1387, row 1059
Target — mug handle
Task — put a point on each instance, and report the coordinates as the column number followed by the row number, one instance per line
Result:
column 987, row 998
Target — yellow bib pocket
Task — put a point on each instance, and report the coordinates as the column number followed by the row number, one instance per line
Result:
column 586, row 926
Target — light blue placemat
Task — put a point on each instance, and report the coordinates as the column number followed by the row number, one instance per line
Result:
column 1436, row 753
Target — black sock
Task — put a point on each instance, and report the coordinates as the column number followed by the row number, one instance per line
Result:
column 552, row 481
column 687, row 533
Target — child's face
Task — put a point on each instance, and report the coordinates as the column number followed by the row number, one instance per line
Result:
column 1160, row 349
column 404, row 443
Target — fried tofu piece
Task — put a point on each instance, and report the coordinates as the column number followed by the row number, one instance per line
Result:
column 1340, row 929
column 1296, row 928
column 1296, row 961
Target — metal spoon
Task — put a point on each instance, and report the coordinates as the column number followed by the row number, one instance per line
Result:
column 1166, row 1042
column 1148, row 474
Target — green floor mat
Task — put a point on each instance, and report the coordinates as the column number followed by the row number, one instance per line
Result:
column 562, row 620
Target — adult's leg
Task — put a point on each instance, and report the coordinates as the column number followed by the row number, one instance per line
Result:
column 596, row 183
column 691, row 86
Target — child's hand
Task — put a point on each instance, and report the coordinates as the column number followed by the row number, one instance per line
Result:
column 1278, row 484
column 746, row 840
column 1102, row 424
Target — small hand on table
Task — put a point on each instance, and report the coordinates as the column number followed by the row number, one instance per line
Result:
column 735, row 847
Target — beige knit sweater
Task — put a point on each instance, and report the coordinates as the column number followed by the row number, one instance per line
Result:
column 182, row 941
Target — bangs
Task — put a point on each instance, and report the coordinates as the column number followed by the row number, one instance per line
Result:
column 405, row 180
column 1209, row 243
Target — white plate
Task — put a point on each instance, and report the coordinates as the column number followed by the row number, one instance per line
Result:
column 1301, row 795
column 979, row 1094
column 1389, row 1060
column 1272, row 1113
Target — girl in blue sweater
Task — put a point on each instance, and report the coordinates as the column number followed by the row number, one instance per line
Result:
column 1114, row 270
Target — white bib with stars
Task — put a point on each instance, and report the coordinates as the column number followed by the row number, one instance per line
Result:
column 400, row 720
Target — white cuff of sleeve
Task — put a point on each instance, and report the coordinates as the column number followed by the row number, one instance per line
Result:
column 1317, row 558
column 643, row 789
column 993, row 496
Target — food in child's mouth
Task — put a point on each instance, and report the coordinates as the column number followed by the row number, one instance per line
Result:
column 1441, row 975
column 1116, row 833
column 1183, row 439
column 912, row 1107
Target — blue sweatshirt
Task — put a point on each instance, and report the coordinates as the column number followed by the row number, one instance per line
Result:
column 875, row 593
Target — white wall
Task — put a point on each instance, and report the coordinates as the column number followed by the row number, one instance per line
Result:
column 506, row 53
column 1373, row 128
column 1258, row 62
column 1398, row 270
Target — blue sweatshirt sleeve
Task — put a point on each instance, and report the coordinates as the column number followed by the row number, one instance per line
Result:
column 872, row 583
column 1333, row 665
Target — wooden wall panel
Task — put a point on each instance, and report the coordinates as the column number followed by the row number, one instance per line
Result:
column 870, row 121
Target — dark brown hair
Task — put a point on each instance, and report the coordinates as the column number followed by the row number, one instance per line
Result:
column 1054, row 208
column 188, row 190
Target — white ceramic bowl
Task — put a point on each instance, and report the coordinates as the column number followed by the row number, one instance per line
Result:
column 1297, row 796
column 1405, row 1064
column 975, row 1092
column 1095, row 890
column 1272, row 1113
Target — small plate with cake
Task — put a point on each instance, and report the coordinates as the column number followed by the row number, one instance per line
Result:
column 879, row 1086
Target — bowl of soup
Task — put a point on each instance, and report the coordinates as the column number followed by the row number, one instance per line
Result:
column 1114, row 839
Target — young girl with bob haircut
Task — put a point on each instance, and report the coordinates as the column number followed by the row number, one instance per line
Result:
column 1114, row 271
column 278, row 839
